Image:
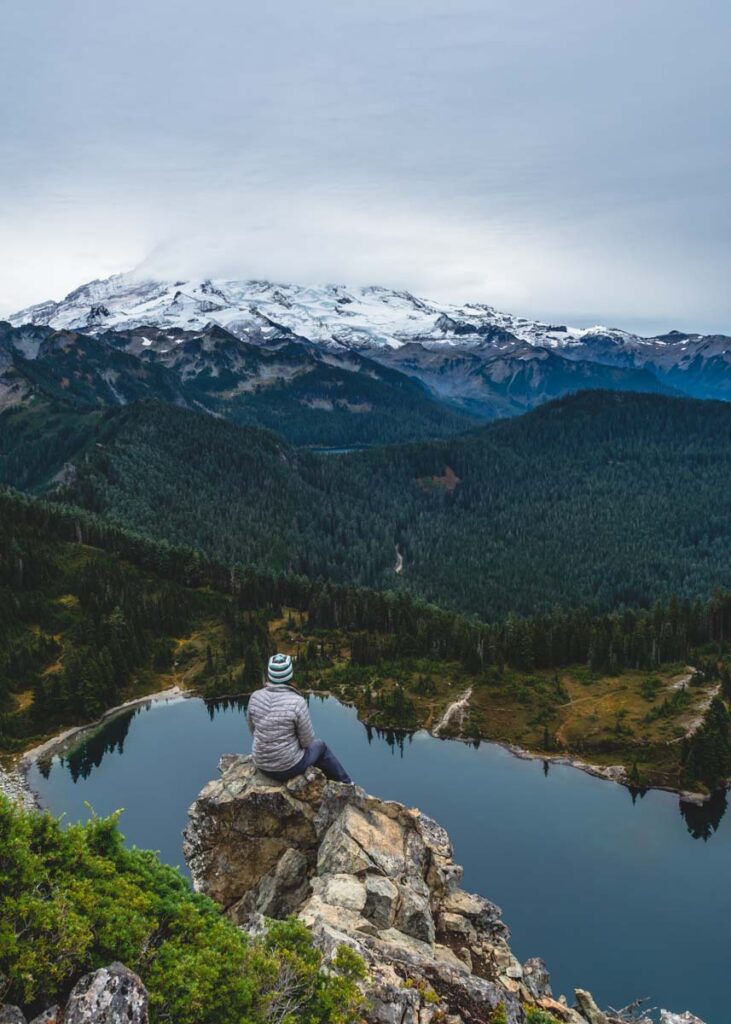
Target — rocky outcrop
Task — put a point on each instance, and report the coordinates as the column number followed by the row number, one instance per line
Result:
column 365, row 873
column 370, row 874
column 380, row 878
column 362, row 872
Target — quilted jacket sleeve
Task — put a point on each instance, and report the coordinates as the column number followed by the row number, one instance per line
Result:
column 250, row 715
column 303, row 725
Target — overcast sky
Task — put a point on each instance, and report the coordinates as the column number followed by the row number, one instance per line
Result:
column 565, row 159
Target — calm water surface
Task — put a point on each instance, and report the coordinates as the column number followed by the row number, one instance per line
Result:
column 625, row 898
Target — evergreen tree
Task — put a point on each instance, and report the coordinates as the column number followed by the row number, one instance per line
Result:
column 709, row 751
column 253, row 673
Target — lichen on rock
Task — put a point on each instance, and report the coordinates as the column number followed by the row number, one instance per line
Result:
column 111, row 995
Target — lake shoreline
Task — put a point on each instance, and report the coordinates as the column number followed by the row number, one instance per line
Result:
column 18, row 776
column 612, row 773
column 20, row 771
column 510, row 822
column 608, row 773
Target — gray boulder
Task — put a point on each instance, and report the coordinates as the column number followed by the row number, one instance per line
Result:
column 112, row 995
column 414, row 915
column 11, row 1015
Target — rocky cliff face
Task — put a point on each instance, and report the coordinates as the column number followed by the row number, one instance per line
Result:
column 375, row 876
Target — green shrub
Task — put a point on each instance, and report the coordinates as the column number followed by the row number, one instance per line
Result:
column 650, row 688
column 73, row 900
column 535, row 1016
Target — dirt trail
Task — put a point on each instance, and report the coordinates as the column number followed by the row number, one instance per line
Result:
column 399, row 566
column 682, row 682
column 695, row 719
column 456, row 708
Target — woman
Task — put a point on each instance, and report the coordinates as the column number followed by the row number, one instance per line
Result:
column 279, row 720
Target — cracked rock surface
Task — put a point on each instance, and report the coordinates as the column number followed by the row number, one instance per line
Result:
column 368, row 873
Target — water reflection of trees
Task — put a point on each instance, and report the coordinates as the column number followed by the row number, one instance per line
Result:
column 637, row 791
column 82, row 759
column 218, row 705
column 702, row 820
column 393, row 738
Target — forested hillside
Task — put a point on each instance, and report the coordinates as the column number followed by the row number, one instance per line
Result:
column 92, row 615
column 83, row 627
column 600, row 499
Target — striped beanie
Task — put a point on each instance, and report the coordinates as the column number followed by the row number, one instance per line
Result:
column 279, row 669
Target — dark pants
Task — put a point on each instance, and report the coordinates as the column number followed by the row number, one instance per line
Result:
column 320, row 756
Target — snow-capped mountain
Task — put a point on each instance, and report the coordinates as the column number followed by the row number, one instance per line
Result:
column 471, row 356
column 334, row 314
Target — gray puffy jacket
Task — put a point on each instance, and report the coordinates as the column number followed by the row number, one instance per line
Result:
column 280, row 723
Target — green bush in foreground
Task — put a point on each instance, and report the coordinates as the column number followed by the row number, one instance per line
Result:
column 73, row 900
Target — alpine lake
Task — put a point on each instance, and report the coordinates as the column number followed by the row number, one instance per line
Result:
column 625, row 894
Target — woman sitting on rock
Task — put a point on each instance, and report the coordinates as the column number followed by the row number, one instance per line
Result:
column 279, row 720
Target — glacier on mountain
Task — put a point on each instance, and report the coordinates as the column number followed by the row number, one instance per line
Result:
column 460, row 352
column 331, row 314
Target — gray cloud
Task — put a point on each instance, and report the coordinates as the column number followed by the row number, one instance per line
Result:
column 566, row 160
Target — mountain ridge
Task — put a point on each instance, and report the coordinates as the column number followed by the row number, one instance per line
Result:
column 379, row 315
column 309, row 394
column 470, row 359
